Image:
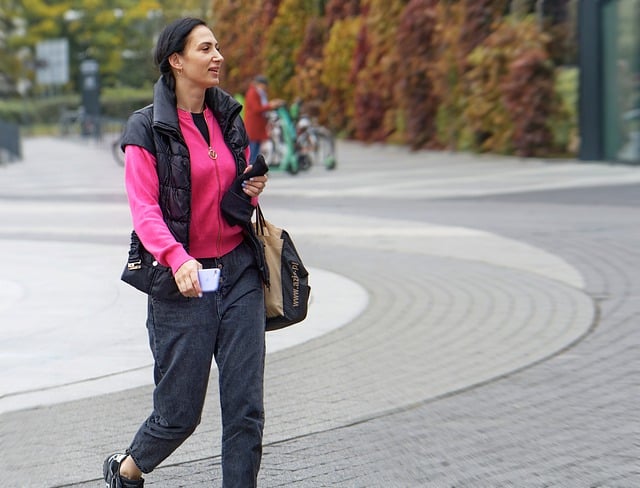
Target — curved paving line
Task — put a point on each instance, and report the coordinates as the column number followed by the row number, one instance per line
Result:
column 320, row 389
column 563, row 423
column 432, row 327
column 404, row 351
column 378, row 374
column 294, row 372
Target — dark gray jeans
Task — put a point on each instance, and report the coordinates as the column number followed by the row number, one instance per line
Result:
column 185, row 335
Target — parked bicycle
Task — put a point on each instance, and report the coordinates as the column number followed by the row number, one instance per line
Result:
column 296, row 142
column 77, row 122
column 315, row 143
column 116, row 150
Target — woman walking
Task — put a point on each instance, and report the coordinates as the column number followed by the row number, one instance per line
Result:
column 183, row 154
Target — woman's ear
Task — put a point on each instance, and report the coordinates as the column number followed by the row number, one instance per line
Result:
column 175, row 62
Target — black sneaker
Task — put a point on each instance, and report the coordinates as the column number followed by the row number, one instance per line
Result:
column 111, row 472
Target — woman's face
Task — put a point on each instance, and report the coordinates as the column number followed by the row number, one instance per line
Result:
column 201, row 60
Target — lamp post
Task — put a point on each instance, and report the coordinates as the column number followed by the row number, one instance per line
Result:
column 90, row 85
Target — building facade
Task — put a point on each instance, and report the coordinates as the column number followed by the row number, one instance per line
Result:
column 609, row 59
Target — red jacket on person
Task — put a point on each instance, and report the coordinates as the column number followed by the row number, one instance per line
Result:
column 255, row 119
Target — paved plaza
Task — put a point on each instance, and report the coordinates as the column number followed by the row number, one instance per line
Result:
column 474, row 323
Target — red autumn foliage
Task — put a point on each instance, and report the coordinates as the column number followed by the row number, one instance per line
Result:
column 529, row 97
column 416, row 49
column 269, row 11
column 376, row 110
column 423, row 72
column 478, row 22
column 341, row 9
column 369, row 111
column 314, row 40
column 360, row 55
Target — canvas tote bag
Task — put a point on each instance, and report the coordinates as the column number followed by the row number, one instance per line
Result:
column 288, row 291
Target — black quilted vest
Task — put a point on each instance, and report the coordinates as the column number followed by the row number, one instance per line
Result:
column 156, row 129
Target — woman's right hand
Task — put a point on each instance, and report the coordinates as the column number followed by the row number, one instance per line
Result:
column 187, row 279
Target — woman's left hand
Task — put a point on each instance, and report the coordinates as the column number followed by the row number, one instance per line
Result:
column 254, row 186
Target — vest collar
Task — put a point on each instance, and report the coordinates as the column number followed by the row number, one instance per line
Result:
column 165, row 115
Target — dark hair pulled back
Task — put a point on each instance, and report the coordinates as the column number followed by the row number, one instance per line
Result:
column 173, row 39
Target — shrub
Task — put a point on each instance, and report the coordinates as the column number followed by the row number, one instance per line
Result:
column 307, row 84
column 341, row 9
column 511, row 90
column 528, row 95
column 115, row 104
column 119, row 103
column 415, row 41
column 338, row 110
column 479, row 20
column 564, row 120
column 37, row 111
column 241, row 28
column 447, row 72
column 283, row 40
column 461, row 26
column 376, row 55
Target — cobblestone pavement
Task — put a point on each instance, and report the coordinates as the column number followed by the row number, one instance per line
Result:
column 478, row 362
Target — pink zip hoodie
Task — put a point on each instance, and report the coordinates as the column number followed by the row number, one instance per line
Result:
column 210, row 235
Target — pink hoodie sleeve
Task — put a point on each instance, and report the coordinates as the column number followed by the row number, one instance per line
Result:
column 141, row 182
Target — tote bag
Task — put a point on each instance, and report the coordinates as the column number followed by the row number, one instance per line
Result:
column 288, row 291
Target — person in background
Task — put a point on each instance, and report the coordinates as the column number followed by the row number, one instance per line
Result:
column 256, row 106
column 182, row 154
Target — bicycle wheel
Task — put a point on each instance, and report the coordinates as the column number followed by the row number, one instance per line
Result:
column 304, row 162
column 325, row 149
column 118, row 155
column 272, row 152
column 293, row 168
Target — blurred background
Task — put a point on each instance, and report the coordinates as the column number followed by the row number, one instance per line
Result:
column 554, row 78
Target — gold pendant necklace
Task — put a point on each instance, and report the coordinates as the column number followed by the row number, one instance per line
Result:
column 212, row 153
